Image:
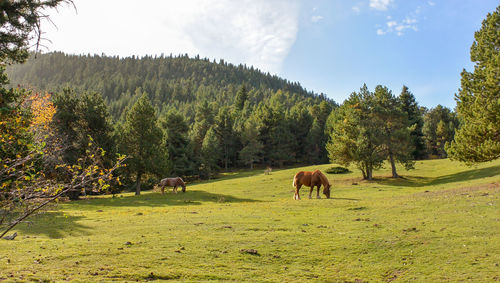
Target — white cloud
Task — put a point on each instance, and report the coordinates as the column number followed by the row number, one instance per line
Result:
column 258, row 33
column 410, row 21
column 316, row 19
column 390, row 24
column 431, row 3
column 380, row 4
column 356, row 9
column 399, row 28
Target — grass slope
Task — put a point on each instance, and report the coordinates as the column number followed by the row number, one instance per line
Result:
column 440, row 223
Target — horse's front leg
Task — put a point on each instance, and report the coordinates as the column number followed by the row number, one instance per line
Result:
column 310, row 192
column 317, row 192
column 162, row 190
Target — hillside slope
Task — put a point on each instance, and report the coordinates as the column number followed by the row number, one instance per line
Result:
column 438, row 224
column 177, row 81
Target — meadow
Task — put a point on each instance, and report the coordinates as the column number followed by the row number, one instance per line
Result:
column 441, row 222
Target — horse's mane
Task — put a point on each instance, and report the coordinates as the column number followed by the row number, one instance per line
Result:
column 323, row 178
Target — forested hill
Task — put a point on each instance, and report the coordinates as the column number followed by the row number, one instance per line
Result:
column 168, row 81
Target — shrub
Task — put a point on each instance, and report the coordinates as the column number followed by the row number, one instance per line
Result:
column 337, row 170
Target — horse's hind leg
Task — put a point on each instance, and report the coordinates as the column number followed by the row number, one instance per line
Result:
column 162, row 190
column 310, row 192
column 175, row 189
column 296, row 196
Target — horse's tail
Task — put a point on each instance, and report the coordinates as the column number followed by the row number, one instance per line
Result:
column 294, row 183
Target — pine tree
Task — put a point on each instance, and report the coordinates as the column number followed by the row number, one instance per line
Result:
column 177, row 144
column 314, row 143
column 300, row 126
column 355, row 135
column 241, row 97
column 478, row 101
column 79, row 118
column 439, row 127
column 204, row 119
column 141, row 140
column 415, row 120
column 226, row 137
column 210, row 154
column 393, row 128
column 252, row 147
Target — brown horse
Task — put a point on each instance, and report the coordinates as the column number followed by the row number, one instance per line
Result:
column 172, row 182
column 311, row 179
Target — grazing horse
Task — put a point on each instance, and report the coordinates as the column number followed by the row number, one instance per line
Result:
column 268, row 171
column 311, row 179
column 172, row 182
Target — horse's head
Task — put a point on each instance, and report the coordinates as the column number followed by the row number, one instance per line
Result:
column 181, row 183
column 326, row 190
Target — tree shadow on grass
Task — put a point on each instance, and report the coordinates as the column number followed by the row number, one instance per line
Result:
column 152, row 199
column 415, row 181
column 334, row 198
column 53, row 224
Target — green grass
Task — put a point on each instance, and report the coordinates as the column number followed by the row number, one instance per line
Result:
column 440, row 223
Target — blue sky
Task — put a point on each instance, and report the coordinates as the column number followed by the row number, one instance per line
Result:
column 354, row 43
column 331, row 47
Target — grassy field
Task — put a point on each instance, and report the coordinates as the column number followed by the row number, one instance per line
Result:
column 440, row 223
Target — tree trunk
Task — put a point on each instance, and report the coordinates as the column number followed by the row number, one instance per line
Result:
column 138, row 184
column 225, row 157
column 369, row 172
column 393, row 166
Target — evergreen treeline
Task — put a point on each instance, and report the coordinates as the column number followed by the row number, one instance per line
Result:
column 170, row 82
column 176, row 116
column 190, row 117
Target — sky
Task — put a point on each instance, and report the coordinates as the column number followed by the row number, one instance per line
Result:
column 331, row 46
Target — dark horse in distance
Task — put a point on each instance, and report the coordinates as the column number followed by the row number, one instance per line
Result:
column 172, row 182
column 311, row 179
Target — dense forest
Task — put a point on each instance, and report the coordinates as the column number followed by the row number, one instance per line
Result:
column 202, row 116
column 194, row 117
column 170, row 82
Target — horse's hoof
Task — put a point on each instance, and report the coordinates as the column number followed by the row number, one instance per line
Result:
column 318, row 197
column 310, row 197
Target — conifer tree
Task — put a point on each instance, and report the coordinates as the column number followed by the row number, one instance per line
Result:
column 394, row 134
column 415, row 121
column 478, row 101
column 439, row 127
column 226, row 136
column 204, row 119
column 241, row 97
column 354, row 135
column 141, row 139
column 300, row 126
column 314, row 143
column 210, row 154
column 252, row 147
column 177, row 144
